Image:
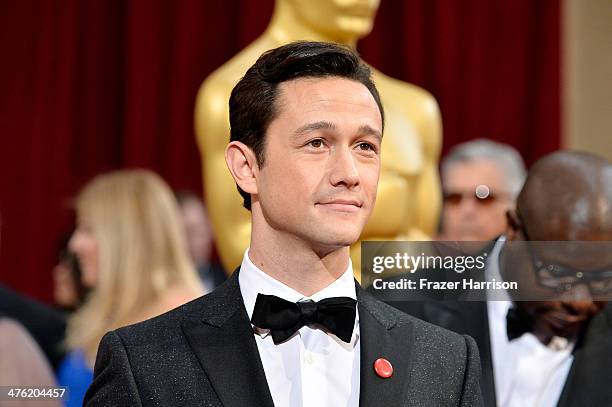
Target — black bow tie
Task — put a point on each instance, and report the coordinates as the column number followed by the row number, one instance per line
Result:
column 284, row 318
column 518, row 322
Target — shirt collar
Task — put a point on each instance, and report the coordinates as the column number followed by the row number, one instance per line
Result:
column 492, row 271
column 253, row 281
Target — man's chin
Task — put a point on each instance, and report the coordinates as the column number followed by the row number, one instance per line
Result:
column 335, row 241
column 471, row 235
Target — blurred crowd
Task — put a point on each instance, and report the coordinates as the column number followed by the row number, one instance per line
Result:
column 138, row 250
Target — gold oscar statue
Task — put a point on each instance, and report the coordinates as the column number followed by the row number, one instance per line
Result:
column 408, row 201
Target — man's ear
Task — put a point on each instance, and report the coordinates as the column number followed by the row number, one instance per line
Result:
column 242, row 164
column 513, row 226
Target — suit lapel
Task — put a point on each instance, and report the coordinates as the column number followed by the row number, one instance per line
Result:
column 588, row 381
column 468, row 318
column 381, row 337
column 223, row 341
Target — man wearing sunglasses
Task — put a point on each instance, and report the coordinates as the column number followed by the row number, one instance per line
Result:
column 481, row 180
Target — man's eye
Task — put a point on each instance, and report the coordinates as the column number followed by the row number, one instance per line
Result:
column 366, row 147
column 316, row 143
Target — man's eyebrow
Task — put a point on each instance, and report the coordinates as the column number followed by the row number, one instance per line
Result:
column 371, row 131
column 324, row 125
column 307, row 128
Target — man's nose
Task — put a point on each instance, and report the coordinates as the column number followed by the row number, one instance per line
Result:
column 344, row 168
column 468, row 205
column 579, row 298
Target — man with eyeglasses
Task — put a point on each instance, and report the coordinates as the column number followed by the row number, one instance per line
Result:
column 556, row 348
column 481, row 180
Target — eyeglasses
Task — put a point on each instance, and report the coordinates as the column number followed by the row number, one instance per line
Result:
column 481, row 194
column 564, row 279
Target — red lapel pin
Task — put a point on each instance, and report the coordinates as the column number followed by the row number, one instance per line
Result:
column 383, row 368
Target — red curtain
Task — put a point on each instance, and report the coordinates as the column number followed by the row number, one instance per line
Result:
column 90, row 86
column 493, row 66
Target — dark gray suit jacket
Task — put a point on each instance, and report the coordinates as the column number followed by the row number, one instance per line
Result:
column 204, row 354
column 589, row 382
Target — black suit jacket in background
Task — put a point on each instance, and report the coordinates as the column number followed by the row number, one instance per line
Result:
column 204, row 353
column 46, row 325
column 589, row 381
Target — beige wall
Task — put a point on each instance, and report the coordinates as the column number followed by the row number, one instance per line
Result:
column 587, row 75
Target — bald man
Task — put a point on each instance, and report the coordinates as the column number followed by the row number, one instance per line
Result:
column 563, row 353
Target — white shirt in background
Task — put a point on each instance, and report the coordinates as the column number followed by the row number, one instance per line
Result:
column 527, row 372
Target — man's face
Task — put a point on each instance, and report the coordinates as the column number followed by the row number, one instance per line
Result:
column 467, row 216
column 567, row 314
column 322, row 162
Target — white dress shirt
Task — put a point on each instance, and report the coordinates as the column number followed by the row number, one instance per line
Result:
column 312, row 368
column 527, row 372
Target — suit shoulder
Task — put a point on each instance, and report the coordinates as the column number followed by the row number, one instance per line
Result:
column 162, row 328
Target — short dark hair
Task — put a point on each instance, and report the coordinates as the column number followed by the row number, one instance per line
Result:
column 252, row 104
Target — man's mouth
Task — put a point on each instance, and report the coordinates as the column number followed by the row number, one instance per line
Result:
column 342, row 205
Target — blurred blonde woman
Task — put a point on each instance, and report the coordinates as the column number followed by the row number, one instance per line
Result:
column 132, row 253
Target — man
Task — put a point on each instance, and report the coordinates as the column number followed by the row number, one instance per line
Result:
column 546, row 353
column 480, row 180
column 306, row 128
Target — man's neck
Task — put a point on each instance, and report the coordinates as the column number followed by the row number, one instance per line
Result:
column 286, row 27
column 295, row 264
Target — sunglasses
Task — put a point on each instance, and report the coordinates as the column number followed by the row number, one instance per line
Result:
column 481, row 194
